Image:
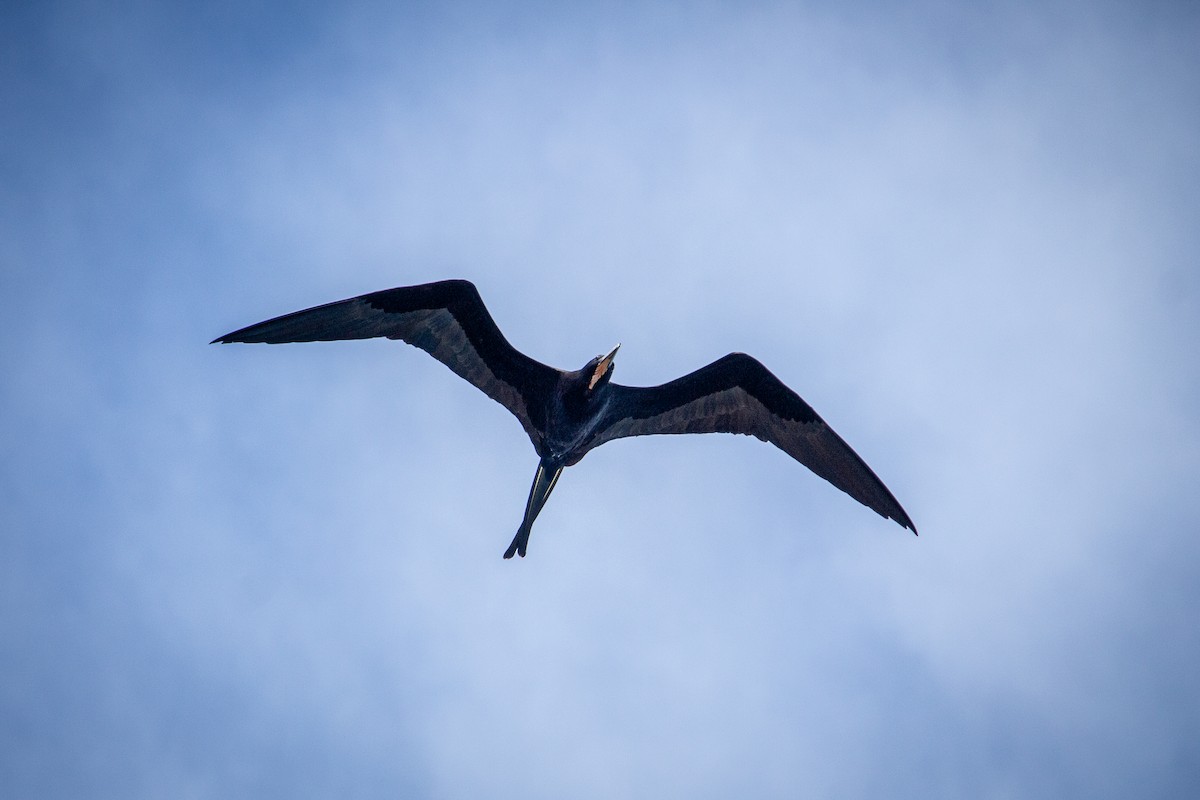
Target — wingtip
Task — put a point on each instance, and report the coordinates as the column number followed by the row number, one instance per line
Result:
column 902, row 520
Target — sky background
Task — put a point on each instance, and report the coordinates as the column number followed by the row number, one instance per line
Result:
column 966, row 233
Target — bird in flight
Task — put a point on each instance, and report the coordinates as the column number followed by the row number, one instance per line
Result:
column 566, row 414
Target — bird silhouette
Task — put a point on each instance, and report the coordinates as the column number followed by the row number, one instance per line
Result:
column 567, row 414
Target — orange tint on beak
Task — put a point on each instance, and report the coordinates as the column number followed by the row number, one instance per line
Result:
column 602, row 367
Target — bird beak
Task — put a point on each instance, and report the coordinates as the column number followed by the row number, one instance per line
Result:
column 602, row 367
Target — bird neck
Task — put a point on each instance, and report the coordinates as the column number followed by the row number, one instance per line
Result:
column 579, row 401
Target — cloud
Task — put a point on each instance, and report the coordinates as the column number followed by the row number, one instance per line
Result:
column 964, row 235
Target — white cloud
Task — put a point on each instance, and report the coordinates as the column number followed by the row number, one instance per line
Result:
column 965, row 237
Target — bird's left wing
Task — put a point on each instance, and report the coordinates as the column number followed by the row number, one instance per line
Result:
column 446, row 319
column 737, row 394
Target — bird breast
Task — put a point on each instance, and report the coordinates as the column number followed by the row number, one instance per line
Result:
column 569, row 431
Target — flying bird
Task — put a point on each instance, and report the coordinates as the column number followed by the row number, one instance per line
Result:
column 566, row 414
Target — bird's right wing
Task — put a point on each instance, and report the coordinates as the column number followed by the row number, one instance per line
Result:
column 446, row 319
column 737, row 394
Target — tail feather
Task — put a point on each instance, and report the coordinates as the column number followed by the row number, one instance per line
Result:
column 519, row 542
column 543, row 483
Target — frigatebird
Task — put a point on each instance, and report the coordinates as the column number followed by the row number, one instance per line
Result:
column 566, row 414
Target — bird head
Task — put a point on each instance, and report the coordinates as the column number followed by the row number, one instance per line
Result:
column 599, row 369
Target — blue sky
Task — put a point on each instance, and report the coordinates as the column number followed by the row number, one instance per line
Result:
column 966, row 234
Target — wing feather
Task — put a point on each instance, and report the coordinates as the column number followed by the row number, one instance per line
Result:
column 446, row 319
column 737, row 394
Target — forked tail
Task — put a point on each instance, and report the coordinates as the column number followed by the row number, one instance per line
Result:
column 543, row 483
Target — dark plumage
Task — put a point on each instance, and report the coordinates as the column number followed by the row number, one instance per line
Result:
column 566, row 414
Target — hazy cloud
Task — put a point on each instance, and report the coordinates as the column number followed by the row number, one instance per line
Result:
column 965, row 235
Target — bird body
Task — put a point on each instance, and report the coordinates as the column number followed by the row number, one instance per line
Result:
column 568, row 413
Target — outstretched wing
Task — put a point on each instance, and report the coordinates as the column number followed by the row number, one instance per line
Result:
column 737, row 394
column 446, row 319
